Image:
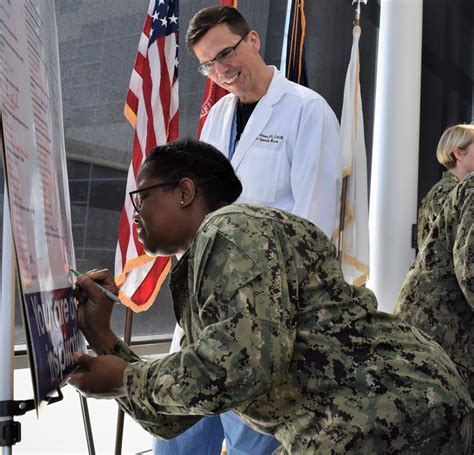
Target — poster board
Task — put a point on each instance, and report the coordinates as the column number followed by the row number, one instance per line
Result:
column 36, row 175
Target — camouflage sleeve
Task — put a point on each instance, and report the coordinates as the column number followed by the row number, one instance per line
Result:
column 240, row 352
column 423, row 222
column 161, row 425
column 164, row 426
column 427, row 215
column 431, row 205
column 463, row 250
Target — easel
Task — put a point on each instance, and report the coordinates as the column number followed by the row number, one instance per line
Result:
column 10, row 430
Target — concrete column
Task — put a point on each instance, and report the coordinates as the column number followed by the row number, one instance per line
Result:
column 394, row 178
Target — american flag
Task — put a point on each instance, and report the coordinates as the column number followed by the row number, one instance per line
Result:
column 152, row 109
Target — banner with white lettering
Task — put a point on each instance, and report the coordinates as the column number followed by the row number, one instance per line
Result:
column 52, row 320
column 36, row 174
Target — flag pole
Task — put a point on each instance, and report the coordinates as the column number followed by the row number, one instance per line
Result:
column 342, row 214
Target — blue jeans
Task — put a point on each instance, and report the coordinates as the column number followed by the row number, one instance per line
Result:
column 206, row 436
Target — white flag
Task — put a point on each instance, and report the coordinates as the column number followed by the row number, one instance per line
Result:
column 354, row 235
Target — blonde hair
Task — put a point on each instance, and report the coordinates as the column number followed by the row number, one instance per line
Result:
column 456, row 136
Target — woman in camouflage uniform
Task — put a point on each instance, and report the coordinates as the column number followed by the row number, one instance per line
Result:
column 456, row 153
column 271, row 329
column 438, row 293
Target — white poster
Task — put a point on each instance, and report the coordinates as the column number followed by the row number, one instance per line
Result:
column 37, row 186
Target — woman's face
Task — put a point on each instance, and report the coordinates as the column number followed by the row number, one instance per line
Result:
column 468, row 158
column 160, row 223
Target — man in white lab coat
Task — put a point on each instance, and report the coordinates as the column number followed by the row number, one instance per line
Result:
column 281, row 138
column 283, row 142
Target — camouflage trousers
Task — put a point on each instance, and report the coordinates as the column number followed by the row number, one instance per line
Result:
column 455, row 439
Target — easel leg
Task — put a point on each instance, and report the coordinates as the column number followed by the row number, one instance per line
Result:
column 87, row 425
column 7, row 314
column 120, row 416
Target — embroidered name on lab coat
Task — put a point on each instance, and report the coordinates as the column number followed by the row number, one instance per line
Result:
column 270, row 138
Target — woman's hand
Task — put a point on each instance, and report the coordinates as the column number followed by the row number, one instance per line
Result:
column 101, row 377
column 95, row 309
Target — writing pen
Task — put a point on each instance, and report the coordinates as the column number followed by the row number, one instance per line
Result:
column 107, row 293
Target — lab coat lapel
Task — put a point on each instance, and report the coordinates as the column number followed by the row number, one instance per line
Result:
column 259, row 118
column 228, row 117
column 257, row 121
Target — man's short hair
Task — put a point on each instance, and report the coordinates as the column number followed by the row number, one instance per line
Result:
column 457, row 136
column 209, row 17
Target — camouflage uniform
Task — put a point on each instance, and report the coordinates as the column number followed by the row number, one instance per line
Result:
column 432, row 203
column 272, row 330
column 438, row 293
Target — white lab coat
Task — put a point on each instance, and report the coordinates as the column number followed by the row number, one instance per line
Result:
column 289, row 155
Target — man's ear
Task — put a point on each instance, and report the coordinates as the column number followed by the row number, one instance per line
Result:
column 254, row 40
column 188, row 191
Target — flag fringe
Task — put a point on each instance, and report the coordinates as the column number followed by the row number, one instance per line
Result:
column 138, row 308
column 130, row 115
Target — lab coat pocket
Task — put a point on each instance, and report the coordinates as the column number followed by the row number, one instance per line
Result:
column 259, row 174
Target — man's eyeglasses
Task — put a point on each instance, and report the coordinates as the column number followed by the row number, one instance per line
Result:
column 136, row 198
column 225, row 54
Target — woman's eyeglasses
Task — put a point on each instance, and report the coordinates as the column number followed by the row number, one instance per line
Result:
column 135, row 195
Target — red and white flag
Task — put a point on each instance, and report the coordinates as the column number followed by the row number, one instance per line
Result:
column 213, row 92
column 152, row 109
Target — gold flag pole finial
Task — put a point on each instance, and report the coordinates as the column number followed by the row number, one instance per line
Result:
column 357, row 11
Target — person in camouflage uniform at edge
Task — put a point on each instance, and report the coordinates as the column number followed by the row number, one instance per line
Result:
column 455, row 152
column 271, row 329
column 438, row 293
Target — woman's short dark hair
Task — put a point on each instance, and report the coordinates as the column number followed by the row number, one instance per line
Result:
column 209, row 17
column 210, row 170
